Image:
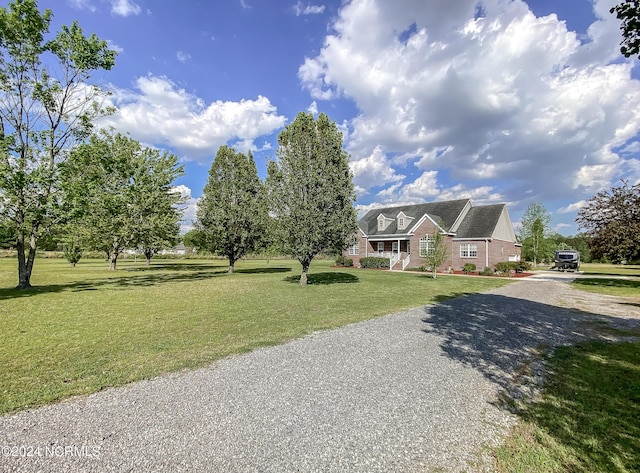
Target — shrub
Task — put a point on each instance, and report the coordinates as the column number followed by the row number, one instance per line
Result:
column 374, row 262
column 469, row 267
column 343, row 261
column 487, row 271
column 504, row 267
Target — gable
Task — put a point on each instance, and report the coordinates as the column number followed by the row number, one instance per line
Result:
column 487, row 221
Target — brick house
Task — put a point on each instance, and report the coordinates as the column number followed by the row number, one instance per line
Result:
column 481, row 235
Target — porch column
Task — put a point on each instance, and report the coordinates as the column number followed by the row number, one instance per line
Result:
column 486, row 253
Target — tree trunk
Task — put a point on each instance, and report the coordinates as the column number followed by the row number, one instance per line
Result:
column 25, row 263
column 303, row 276
column 435, row 270
column 113, row 260
column 231, row 267
column 148, row 254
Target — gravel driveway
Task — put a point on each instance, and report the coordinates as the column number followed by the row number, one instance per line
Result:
column 412, row 391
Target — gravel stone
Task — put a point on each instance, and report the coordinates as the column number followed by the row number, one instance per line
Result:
column 412, row 391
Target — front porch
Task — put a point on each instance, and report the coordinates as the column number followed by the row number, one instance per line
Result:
column 398, row 251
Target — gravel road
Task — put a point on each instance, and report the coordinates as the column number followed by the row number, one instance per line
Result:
column 412, row 391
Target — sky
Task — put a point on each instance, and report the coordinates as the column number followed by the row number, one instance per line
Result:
column 499, row 101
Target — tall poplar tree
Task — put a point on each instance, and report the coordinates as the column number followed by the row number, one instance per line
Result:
column 311, row 189
column 46, row 105
column 534, row 232
column 231, row 213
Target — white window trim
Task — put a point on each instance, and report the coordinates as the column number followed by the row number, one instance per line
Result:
column 467, row 250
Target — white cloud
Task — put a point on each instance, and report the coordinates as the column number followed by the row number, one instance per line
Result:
column 308, row 9
column 313, row 108
column 113, row 46
column 373, row 171
column 190, row 208
column 183, row 57
column 501, row 102
column 572, row 207
column 159, row 112
column 82, row 5
column 125, row 7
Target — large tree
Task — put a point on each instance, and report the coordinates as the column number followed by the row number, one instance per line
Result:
column 534, row 232
column 121, row 193
column 232, row 214
column 629, row 13
column 45, row 106
column 611, row 219
column 311, row 189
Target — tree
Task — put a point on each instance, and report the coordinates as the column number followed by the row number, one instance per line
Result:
column 437, row 252
column 232, row 214
column 534, row 232
column 121, row 194
column 611, row 219
column 628, row 12
column 45, row 105
column 311, row 189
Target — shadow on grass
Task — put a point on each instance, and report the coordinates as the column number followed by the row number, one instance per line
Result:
column 621, row 274
column 326, row 278
column 500, row 335
column 176, row 267
column 116, row 282
column 594, row 406
column 263, row 270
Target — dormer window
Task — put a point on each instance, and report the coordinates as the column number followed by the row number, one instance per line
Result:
column 403, row 221
column 380, row 222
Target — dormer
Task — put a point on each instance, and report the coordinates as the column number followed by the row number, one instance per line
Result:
column 403, row 221
column 383, row 222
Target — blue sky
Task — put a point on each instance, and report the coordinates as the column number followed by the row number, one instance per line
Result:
column 494, row 100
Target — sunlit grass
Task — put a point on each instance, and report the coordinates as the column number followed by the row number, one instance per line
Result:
column 84, row 328
column 587, row 419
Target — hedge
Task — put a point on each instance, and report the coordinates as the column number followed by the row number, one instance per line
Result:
column 374, row 262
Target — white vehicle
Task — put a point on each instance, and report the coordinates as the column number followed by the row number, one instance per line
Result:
column 566, row 260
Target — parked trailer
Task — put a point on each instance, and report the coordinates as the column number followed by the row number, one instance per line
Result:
column 566, row 260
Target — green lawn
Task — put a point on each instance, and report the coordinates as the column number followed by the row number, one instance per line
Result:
column 601, row 283
column 84, row 328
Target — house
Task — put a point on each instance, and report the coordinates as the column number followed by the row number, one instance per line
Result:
column 179, row 249
column 482, row 235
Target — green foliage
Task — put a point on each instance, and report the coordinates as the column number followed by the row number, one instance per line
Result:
column 504, row 268
column 344, row 261
column 46, row 105
column 195, row 239
column 374, row 262
column 232, row 213
column 534, row 233
column 311, row 190
column 628, row 12
column 487, row 271
column 611, row 219
column 469, row 267
column 72, row 253
column 437, row 253
column 579, row 242
column 121, row 196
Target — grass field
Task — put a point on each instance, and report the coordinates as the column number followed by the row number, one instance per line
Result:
column 587, row 420
column 84, row 328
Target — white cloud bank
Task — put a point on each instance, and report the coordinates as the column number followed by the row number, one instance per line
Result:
column 500, row 100
column 160, row 112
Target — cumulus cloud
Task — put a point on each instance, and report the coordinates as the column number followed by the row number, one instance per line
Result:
column 190, row 208
column 498, row 99
column 125, row 7
column 160, row 112
column 572, row 207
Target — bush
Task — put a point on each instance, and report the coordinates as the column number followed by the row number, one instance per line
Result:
column 343, row 261
column 469, row 267
column 505, row 267
column 374, row 262
column 487, row 271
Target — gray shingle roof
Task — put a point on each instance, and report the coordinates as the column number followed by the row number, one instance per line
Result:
column 445, row 211
column 480, row 222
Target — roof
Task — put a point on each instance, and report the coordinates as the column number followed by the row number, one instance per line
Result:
column 444, row 213
column 480, row 222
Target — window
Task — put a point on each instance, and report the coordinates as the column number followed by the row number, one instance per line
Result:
column 354, row 248
column 426, row 245
column 468, row 250
column 401, row 223
column 381, row 224
column 381, row 247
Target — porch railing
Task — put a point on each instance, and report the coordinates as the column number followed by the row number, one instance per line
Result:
column 406, row 261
